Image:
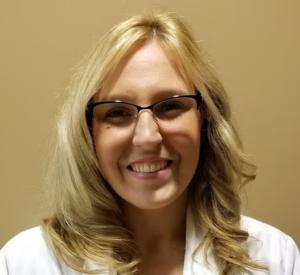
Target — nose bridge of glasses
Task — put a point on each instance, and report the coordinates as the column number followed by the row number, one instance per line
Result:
column 142, row 110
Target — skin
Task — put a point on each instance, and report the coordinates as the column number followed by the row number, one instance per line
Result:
column 156, row 208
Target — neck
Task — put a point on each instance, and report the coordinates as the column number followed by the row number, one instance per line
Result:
column 157, row 229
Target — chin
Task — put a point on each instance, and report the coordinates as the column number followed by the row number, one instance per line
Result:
column 156, row 203
column 152, row 205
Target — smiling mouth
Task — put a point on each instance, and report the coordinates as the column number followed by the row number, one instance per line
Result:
column 149, row 168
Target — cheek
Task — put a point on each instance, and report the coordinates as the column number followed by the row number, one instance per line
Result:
column 186, row 142
column 188, row 137
column 109, row 151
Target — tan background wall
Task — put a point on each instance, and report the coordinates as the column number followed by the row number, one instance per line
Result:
column 255, row 45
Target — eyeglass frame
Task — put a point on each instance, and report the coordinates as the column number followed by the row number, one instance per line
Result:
column 91, row 106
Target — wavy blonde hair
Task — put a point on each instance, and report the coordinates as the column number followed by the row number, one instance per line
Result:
column 87, row 221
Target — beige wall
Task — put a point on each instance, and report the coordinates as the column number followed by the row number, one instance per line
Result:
column 255, row 45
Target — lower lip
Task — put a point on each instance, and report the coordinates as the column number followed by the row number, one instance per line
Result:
column 152, row 175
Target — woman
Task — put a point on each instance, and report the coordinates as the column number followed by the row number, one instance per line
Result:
column 147, row 169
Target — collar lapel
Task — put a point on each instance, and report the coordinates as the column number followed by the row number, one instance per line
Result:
column 196, row 266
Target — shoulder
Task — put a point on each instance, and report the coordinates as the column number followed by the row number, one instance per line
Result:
column 261, row 230
column 271, row 246
column 31, row 239
column 29, row 253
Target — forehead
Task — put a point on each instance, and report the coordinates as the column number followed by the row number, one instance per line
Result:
column 144, row 74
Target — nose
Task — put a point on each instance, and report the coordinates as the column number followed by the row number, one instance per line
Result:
column 146, row 131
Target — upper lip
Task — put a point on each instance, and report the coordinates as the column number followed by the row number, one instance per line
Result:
column 148, row 160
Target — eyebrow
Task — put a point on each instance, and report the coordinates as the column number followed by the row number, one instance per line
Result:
column 158, row 95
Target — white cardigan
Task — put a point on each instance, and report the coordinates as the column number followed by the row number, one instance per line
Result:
column 29, row 253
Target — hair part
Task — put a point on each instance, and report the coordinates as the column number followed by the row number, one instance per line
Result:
column 87, row 221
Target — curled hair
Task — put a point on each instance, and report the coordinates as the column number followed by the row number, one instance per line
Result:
column 87, row 221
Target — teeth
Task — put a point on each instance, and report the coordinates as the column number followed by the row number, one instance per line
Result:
column 148, row 168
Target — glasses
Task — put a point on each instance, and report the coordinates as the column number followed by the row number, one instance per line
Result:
column 170, row 112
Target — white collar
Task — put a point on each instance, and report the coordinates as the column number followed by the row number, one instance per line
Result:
column 193, row 238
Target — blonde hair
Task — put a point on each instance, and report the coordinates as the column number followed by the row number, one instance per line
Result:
column 87, row 222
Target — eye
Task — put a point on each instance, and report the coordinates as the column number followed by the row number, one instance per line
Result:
column 171, row 107
column 118, row 113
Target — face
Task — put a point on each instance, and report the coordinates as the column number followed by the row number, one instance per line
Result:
column 126, row 157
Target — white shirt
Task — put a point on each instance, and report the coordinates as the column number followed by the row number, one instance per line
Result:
column 29, row 253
